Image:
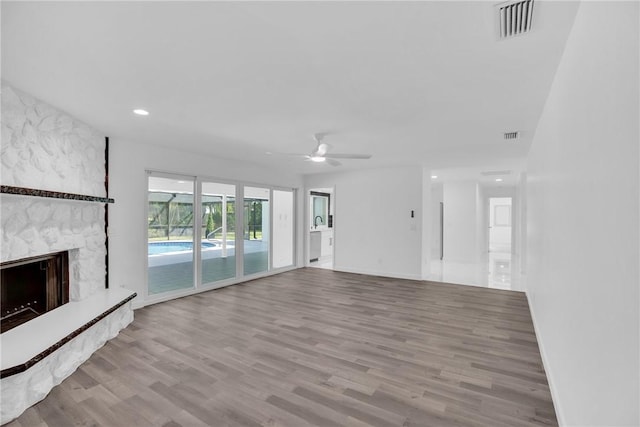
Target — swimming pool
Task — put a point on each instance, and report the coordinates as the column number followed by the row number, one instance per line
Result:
column 158, row 248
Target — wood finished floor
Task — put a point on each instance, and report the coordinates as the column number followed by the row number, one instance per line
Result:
column 314, row 347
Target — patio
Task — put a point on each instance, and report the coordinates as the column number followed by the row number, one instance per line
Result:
column 173, row 271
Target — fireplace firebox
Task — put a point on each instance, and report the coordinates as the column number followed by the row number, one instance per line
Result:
column 32, row 286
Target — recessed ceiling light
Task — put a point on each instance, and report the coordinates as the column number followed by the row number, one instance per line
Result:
column 498, row 179
column 434, row 176
column 141, row 112
column 317, row 159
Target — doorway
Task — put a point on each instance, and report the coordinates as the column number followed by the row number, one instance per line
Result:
column 500, row 242
column 321, row 233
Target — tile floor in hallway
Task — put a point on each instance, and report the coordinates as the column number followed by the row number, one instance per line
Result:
column 496, row 270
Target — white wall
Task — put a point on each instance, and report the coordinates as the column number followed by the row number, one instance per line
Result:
column 461, row 221
column 128, row 186
column 520, row 243
column 426, row 215
column 373, row 229
column 436, row 199
column 482, row 219
column 582, row 196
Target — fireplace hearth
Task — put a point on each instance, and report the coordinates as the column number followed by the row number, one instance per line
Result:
column 32, row 286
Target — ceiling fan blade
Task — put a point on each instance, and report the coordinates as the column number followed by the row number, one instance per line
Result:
column 347, row 156
column 333, row 162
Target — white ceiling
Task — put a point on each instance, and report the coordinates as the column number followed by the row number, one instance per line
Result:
column 508, row 171
column 411, row 83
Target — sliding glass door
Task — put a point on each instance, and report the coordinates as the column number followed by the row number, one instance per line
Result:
column 283, row 228
column 218, row 220
column 170, row 233
column 206, row 233
column 256, row 230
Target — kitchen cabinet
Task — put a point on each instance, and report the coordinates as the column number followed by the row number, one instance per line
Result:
column 315, row 245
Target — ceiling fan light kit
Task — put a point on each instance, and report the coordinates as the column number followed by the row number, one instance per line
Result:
column 321, row 153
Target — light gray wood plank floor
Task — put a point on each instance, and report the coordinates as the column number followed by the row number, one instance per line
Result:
column 314, row 347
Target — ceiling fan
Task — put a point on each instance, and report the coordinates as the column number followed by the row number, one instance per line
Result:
column 322, row 153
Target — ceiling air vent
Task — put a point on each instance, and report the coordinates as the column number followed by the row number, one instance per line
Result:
column 511, row 135
column 515, row 17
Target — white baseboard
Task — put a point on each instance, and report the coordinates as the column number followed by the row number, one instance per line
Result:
column 392, row 275
column 547, row 367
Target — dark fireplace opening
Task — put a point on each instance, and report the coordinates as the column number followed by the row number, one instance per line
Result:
column 31, row 287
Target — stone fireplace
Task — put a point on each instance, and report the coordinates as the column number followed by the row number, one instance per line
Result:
column 30, row 287
column 56, row 305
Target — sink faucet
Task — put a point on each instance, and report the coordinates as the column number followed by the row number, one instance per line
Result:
column 315, row 221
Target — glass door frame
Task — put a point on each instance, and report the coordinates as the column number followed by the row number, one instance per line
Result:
column 269, row 232
column 196, row 248
column 294, row 224
column 239, row 234
column 238, row 248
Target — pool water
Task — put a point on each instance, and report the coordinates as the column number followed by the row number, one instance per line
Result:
column 157, row 248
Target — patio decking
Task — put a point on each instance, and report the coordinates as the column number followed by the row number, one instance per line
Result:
column 171, row 277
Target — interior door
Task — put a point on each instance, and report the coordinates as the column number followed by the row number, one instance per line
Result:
column 500, row 224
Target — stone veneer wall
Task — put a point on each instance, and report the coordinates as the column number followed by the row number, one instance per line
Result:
column 46, row 149
column 32, row 226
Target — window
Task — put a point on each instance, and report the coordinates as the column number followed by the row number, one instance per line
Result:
column 283, row 227
column 256, row 230
column 319, row 209
column 170, row 234
column 194, row 238
column 218, row 221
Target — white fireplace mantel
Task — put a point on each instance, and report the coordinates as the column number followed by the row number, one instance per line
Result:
column 41, row 353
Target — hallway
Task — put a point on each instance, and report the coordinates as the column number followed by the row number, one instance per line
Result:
column 495, row 271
